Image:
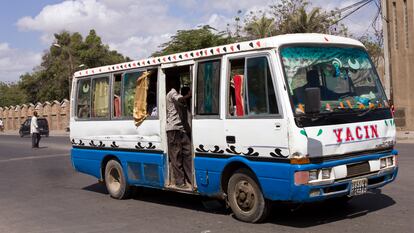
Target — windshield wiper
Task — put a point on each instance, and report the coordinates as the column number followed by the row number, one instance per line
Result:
column 315, row 117
column 336, row 110
column 365, row 112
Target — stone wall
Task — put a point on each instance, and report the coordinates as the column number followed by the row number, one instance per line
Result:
column 57, row 114
column 400, row 28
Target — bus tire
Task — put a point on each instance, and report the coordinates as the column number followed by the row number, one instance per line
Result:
column 115, row 180
column 246, row 198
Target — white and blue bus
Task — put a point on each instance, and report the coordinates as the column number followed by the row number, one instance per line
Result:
column 298, row 118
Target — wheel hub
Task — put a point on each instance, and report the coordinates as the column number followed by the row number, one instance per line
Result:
column 114, row 182
column 244, row 195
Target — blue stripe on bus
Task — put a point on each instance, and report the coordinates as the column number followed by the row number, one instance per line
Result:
column 147, row 168
column 275, row 179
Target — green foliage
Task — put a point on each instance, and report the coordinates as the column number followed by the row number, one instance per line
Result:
column 260, row 27
column 186, row 40
column 11, row 94
column 68, row 54
column 374, row 46
column 292, row 16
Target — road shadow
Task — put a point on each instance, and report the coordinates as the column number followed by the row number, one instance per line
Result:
column 97, row 188
column 170, row 198
column 314, row 214
column 286, row 214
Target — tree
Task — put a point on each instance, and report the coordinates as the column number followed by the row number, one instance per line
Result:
column 11, row 94
column 260, row 27
column 293, row 16
column 52, row 79
column 186, row 40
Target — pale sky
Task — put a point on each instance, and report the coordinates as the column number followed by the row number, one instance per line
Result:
column 133, row 27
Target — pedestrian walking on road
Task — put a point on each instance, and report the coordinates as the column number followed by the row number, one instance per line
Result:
column 34, row 130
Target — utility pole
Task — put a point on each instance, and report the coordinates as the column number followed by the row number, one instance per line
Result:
column 387, row 65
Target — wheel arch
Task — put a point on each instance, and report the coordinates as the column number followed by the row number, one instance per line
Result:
column 229, row 170
column 105, row 160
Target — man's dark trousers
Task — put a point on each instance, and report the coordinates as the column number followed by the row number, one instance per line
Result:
column 179, row 151
column 35, row 140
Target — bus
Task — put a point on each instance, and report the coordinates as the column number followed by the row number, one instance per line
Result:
column 292, row 118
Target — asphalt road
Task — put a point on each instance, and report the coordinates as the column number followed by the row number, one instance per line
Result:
column 40, row 192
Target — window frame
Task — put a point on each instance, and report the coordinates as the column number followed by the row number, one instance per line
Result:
column 143, row 69
column 195, row 79
column 77, row 99
column 108, row 76
column 271, row 66
column 113, row 94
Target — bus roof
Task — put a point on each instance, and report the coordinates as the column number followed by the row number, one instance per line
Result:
column 270, row 42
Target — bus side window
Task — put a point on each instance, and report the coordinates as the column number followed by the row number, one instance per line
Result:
column 100, row 97
column 261, row 93
column 208, row 88
column 251, row 90
column 236, row 91
column 116, row 111
column 84, row 99
column 128, row 96
column 152, row 102
column 126, row 99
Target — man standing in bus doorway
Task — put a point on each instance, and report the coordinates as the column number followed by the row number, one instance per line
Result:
column 34, row 129
column 179, row 143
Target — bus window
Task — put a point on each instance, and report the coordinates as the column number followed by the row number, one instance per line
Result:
column 127, row 98
column 236, row 92
column 116, row 111
column 100, row 97
column 84, row 99
column 208, row 88
column 128, row 95
column 152, row 109
column 251, row 90
column 260, row 91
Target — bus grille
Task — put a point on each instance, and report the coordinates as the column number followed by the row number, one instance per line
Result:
column 357, row 169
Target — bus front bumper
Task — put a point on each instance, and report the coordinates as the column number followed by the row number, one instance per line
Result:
column 344, row 187
column 345, row 177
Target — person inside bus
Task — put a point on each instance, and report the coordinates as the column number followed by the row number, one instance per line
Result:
column 152, row 104
column 312, row 78
column 179, row 143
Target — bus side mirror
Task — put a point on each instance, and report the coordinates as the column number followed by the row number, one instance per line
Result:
column 312, row 100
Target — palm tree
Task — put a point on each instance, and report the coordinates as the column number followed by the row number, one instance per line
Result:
column 303, row 22
column 260, row 28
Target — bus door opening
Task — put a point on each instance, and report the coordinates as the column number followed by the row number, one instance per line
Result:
column 178, row 127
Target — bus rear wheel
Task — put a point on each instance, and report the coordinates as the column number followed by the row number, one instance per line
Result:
column 246, row 198
column 115, row 180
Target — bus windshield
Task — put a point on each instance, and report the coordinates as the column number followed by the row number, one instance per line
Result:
column 345, row 76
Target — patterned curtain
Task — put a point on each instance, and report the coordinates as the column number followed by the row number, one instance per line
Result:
column 101, row 98
column 140, row 101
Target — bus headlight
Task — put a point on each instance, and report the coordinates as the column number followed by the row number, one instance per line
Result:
column 326, row 174
column 313, row 175
column 383, row 163
column 390, row 161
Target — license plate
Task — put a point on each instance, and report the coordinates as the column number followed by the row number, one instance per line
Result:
column 359, row 187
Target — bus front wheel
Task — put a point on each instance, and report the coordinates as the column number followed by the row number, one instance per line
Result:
column 115, row 180
column 246, row 198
